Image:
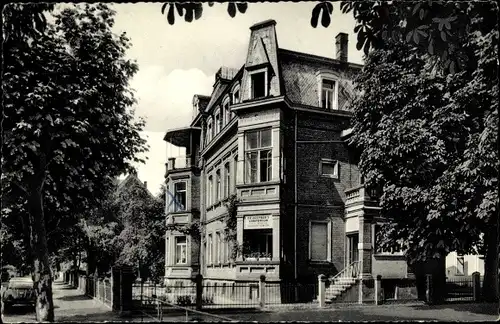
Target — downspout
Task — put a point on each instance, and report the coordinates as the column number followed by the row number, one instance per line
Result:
column 296, row 201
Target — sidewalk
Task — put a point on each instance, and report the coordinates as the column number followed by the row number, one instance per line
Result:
column 70, row 305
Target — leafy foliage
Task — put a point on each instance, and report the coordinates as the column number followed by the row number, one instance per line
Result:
column 230, row 233
column 429, row 141
column 68, row 125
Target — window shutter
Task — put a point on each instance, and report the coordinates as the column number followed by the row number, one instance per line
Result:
column 319, row 241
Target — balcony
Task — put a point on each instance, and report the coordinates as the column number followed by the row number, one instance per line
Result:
column 181, row 162
column 360, row 195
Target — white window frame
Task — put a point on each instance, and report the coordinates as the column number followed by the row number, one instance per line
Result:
column 174, row 204
column 236, row 89
column 218, row 186
column 235, row 171
column 323, row 75
column 209, row 130
column 227, row 179
column 258, row 150
column 336, row 166
column 185, row 244
column 210, row 248
column 210, row 189
column 226, row 111
column 217, row 250
column 167, row 251
column 217, row 121
column 328, row 239
column 266, row 82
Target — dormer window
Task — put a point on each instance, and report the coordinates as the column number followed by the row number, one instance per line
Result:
column 258, row 85
column 327, row 90
column 328, row 94
column 209, row 130
column 226, row 112
column 236, row 96
column 217, row 123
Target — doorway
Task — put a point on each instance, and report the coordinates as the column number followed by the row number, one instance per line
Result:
column 352, row 248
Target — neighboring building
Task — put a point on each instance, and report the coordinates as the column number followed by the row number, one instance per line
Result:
column 274, row 132
column 463, row 265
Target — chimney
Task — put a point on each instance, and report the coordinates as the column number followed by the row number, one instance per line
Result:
column 146, row 184
column 341, row 46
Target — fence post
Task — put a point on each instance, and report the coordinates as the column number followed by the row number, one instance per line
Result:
column 429, row 293
column 378, row 290
column 321, row 290
column 360, row 291
column 199, row 291
column 476, row 285
column 262, row 291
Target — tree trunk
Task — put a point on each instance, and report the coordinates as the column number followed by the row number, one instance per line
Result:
column 490, row 281
column 41, row 265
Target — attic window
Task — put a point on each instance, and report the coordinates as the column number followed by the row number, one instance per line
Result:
column 258, row 85
column 328, row 94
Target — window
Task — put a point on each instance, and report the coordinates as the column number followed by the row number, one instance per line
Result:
column 235, row 172
column 327, row 94
column 210, row 190
column 217, row 254
column 210, row 249
column 377, row 248
column 258, row 156
column 180, row 196
column 329, row 168
column 319, row 241
column 217, row 186
column 236, row 95
column 209, row 131
column 227, row 112
column 217, row 123
column 227, row 179
column 258, row 244
column 167, row 251
column 258, row 85
column 180, row 250
column 460, row 265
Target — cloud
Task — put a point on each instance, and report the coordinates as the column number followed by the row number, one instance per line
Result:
column 165, row 100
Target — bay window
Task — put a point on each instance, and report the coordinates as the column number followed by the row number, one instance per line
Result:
column 258, row 156
column 180, row 196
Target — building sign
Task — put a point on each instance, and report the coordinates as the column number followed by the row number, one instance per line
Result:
column 258, row 222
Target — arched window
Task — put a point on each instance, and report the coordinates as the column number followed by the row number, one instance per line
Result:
column 226, row 111
column 236, row 94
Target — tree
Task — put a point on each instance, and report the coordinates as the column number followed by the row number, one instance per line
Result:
column 67, row 121
column 428, row 141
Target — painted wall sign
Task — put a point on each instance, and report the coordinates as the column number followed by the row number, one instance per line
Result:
column 258, row 222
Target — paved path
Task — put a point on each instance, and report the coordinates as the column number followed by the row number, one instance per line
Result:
column 70, row 305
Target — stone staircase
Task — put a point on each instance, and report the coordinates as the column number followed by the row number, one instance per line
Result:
column 341, row 282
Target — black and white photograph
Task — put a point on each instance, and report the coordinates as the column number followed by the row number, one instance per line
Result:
column 279, row 161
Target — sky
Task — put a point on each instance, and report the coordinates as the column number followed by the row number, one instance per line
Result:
column 178, row 61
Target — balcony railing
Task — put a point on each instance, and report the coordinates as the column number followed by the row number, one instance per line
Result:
column 360, row 194
column 181, row 162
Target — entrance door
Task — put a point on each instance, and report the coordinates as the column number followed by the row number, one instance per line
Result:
column 352, row 248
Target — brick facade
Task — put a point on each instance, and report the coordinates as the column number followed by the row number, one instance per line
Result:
column 304, row 137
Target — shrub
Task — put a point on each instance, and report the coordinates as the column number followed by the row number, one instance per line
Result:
column 184, row 300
